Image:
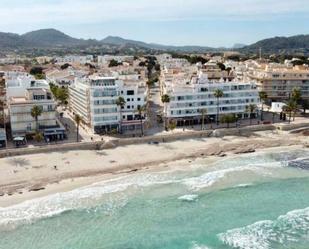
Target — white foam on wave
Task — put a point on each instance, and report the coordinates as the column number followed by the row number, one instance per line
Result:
column 292, row 227
column 188, row 198
column 86, row 197
column 197, row 246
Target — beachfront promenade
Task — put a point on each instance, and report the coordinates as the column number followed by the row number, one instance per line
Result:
column 112, row 142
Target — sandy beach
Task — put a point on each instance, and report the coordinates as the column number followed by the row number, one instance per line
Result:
column 32, row 176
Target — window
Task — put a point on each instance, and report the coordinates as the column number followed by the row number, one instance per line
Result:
column 130, row 92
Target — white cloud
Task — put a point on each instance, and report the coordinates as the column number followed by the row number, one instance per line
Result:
column 35, row 12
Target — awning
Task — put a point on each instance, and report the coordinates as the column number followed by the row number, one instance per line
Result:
column 17, row 139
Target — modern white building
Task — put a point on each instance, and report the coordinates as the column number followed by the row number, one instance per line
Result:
column 105, row 59
column 75, row 59
column 95, row 99
column 189, row 97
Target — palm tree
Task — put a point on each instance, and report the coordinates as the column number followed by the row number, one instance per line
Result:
column 251, row 109
column 203, row 113
column 296, row 95
column 141, row 110
column 228, row 119
column 120, row 102
column 36, row 111
column 263, row 97
column 218, row 94
column 77, row 120
column 165, row 99
column 289, row 108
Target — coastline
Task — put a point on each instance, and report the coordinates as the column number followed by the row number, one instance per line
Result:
column 75, row 169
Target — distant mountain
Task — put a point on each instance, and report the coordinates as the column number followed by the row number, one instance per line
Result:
column 10, row 40
column 121, row 41
column 54, row 40
column 298, row 43
column 49, row 37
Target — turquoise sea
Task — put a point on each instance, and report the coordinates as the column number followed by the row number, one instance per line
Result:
column 258, row 201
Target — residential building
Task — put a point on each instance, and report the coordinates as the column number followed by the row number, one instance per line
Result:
column 279, row 80
column 23, row 93
column 75, row 59
column 22, row 122
column 189, row 96
column 94, row 98
column 105, row 59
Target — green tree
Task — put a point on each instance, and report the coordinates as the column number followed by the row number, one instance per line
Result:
column 203, row 112
column 114, row 63
column 218, row 94
column 289, row 108
column 263, row 97
column 141, row 111
column 36, row 111
column 165, row 98
column 77, row 120
column 228, row 119
column 296, row 95
column 121, row 103
column 62, row 94
column 251, row 109
column 172, row 125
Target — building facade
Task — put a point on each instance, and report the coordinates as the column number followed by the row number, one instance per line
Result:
column 22, row 122
column 189, row 98
column 278, row 81
column 95, row 100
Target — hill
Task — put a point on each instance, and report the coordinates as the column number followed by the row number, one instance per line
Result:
column 49, row 38
column 293, row 44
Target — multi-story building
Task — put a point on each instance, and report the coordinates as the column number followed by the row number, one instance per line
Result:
column 95, row 100
column 22, row 122
column 75, row 59
column 23, row 93
column 189, row 97
column 106, row 59
column 278, row 81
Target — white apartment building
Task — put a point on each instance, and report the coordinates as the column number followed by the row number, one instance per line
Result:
column 105, row 59
column 189, row 97
column 75, row 59
column 95, row 98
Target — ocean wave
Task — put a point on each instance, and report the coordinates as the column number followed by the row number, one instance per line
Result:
column 289, row 228
column 197, row 246
column 188, row 198
column 82, row 198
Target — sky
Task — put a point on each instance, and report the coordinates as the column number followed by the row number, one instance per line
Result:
column 213, row 23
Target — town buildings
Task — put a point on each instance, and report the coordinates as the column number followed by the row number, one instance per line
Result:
column 106, row 59
column 75, row 59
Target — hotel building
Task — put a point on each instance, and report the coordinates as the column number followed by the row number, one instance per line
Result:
column 278, row 81
column 188, row 96
column 95, row 99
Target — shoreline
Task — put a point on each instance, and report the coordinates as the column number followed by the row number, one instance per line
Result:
column 78, row 169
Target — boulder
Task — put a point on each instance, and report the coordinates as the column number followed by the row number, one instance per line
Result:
column 108, row 145
column 36, row 187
